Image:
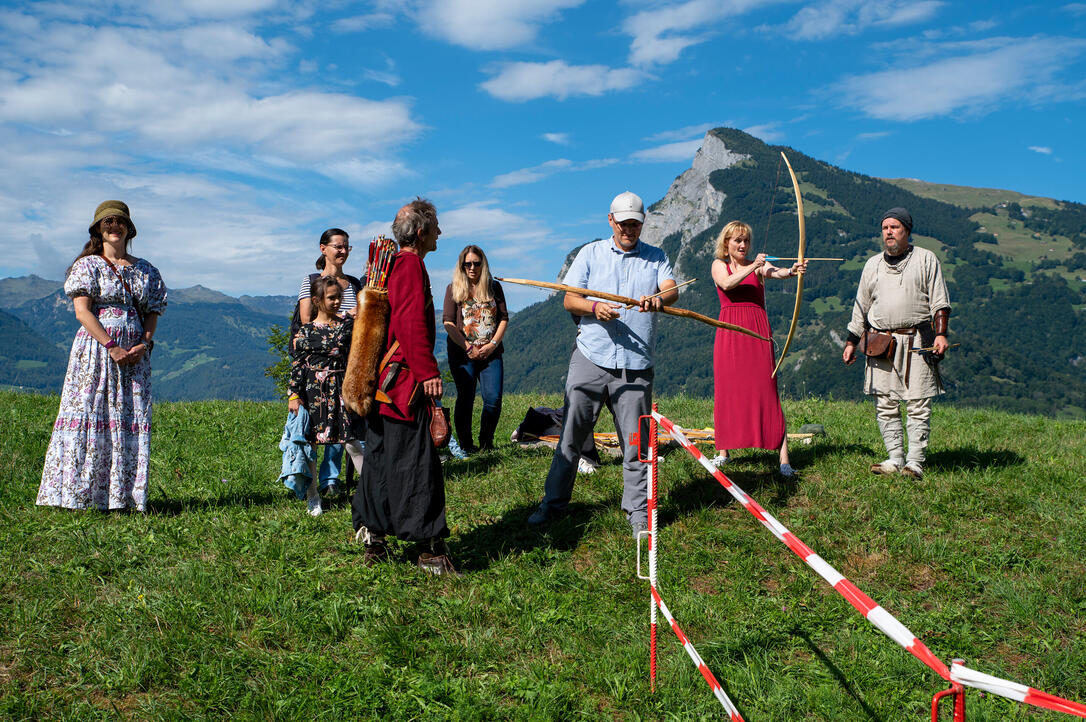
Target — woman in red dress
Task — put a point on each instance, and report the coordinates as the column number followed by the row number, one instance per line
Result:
column 747, row 410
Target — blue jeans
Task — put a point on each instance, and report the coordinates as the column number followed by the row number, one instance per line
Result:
column 330, row 463
column 328, row 472
column 489, row 374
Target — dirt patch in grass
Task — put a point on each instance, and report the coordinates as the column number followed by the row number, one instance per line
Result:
column 865, row 566
column 706, row 584
column 921, row 577
column 7, row 663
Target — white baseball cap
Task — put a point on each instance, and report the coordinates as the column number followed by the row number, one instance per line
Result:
column 628, row 206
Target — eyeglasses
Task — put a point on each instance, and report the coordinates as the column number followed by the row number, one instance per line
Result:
column 471, row 264
column 342, row 248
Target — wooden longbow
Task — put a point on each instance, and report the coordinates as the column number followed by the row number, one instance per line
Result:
column 684, row 313
column 799, row 276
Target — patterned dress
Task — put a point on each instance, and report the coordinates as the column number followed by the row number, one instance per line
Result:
column 101, row 444
column 316, row 375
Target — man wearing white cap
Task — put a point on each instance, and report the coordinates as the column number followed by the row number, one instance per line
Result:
column 612, row 361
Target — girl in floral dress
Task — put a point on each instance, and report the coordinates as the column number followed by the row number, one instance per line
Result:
column 316, row 380
column 101, row 444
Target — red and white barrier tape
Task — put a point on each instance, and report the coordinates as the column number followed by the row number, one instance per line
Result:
column 1013, row 690
column 733, row 712
column 875, row 614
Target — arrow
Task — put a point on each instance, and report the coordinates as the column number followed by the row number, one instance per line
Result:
column 931, row 348
column 793, row 258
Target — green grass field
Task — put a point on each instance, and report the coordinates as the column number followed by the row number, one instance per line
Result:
column 226, row 600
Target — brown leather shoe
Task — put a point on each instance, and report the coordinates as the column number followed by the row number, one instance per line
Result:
column 437, row 564
column 375, row 553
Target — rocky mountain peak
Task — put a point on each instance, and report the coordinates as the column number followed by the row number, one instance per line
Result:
column 691, row 204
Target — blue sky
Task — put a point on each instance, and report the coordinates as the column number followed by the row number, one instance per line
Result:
column 239, row 129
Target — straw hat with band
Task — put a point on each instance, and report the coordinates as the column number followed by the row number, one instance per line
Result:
column 106, row 209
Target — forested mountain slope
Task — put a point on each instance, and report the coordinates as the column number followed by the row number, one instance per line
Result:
column 1012, row 264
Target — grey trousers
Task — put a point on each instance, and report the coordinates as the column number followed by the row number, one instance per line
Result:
column 628, row 396
column 917, row 424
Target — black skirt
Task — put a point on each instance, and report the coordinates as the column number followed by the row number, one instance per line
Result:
column 401, row 491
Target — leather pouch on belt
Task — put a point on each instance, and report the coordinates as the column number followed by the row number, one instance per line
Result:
column 877, row 344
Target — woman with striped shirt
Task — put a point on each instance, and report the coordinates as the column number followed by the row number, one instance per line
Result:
column 334, row 251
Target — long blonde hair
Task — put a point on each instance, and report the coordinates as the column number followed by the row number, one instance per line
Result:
column 735, row 229
column 461, row 288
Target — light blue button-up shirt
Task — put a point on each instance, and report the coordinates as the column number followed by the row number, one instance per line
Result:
column 627, row 342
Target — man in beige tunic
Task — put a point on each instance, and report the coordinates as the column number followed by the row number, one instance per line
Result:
column 902, row 291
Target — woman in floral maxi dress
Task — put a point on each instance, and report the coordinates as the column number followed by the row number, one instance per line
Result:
column 101, row 444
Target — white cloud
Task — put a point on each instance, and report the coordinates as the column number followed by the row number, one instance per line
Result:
column 556, row 138
column 388, row 76
column 768, row 132
column 849, row 17
column 682, row 150
column 685, row 133
column 547, row 169
column 227, row 43
column 517, row 82
column 530, row 175
column 1042, row 149
column 874, row 135
column 366, row 172
column 488, row 24
column 513, row 240
column 1011, row 69
column 1075, row 8
column 183, row 10
column 117, row 82
column 358, row 23
column 190, row 112
column 661, row 33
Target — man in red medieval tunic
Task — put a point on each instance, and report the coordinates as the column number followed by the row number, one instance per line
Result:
column 401, row 490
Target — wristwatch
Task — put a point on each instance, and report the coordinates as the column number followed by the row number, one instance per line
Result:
column 149, row 343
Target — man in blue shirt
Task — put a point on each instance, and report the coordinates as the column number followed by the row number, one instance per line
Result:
column 612, row 362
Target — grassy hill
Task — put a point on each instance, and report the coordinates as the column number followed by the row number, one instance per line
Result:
column 226, row 600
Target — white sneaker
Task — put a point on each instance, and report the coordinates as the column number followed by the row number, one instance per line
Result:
column 584, row 466
column 313, row 501
column 720, row 460
column 914, row 470
column 884, row 467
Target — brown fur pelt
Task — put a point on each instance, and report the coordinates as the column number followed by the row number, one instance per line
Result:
column 367, row 347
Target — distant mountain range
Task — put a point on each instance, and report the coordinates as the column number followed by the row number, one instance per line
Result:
column 208, row 344
column 1015, row 266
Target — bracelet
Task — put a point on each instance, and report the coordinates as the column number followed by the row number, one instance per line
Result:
column 594, row 304
column 109, row 344
column 294, row 397
column 149, row 343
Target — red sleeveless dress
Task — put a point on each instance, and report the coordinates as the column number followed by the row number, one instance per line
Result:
column 746, row 407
